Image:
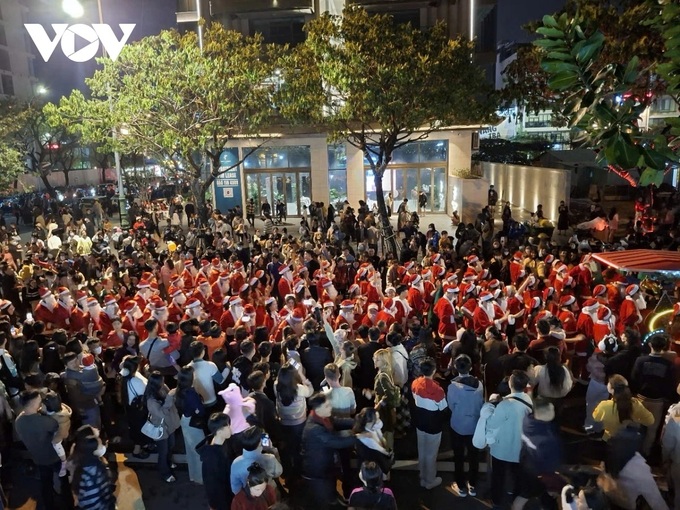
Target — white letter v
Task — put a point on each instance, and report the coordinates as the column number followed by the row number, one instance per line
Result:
column 42, row 41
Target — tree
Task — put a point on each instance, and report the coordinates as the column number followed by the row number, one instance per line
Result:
column 380, row 85
column 12, row 116
column 603, row 99
column 177, row 103
column 527, row 82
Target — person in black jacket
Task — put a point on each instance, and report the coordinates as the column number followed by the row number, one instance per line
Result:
column 265, row 415
column 217, row 454
column 622, row 362
column 371, row 446
column 364, row 374
column 319, row 444
column 314, row 358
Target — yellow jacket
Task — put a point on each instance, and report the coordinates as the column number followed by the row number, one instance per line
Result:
column 607, row 413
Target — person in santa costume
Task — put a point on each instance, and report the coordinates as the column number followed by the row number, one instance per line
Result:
column 600, row 294
column 132, row 320
column 271, row 316
column 46, row 310
column 371, row 318
column 158, row 310
column 116, row 336
column 388, row 313
column 238, row 275
column 445, row 310
column 517, row 271
column 247, row 319
column 486, row 314
column 294, row 320
column 220, row 287
column 468, row 306
column 285, row 285
column 567, row 314
column 630, row 315
column 415, row 296
column 231, row 315
column 96, row 317
column 143, row 294
column 202, row 291
column 177, row 302
column 215, row 269
column 63, row 309
column 401, row 305
column 605, row 325
column 346, row 315
column 193, row 310
column 189, row 274
column 79, row 315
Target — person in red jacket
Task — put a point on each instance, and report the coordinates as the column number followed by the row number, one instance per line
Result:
column 132, row 320
column 46, row 311
column 485, row 313
column 285, row 285
column 79, row 315
column 445, row 311
column 566, row 314
column 629, row 313
column 62, row 311
column 604, row 325
column 387, row 314
column 415, row 296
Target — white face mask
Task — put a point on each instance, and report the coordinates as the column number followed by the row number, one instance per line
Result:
column 97, row 351
column 180, row 299
column 67, row 301
column 50, row 301
column 111, row 311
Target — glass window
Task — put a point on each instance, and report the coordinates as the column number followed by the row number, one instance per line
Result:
column 252, row 191
column 337, row 157
column 299, row 156
column 337, row 184
column 255, row 158
column 433, row 151
column 4, row 61
column 406, row 154
column 7, row 85
column 439, row 190
column 277, row 157
column 305, row 189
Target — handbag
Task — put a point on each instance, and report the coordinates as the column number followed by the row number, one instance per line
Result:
column 152, row 431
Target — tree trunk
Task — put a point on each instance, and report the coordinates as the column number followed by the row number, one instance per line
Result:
column 48, row 185
column 66, row 177
column 389, row 236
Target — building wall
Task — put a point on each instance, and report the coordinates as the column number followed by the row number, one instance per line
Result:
column 528, row 186
column 20, row 58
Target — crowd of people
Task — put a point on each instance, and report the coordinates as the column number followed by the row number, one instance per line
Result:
column 290, row 365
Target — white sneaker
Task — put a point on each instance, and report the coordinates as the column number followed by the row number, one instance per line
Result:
column 462, row 493
column 472, row 491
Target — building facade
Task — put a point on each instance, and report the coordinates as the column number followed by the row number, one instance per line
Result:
column 17, row 78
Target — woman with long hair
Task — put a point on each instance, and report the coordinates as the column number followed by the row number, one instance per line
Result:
column 192, row 420
column 292, row 390
column 597, row 384
column 552, row 380
column 160, row 403
column 51, row 359
column 621, row 408
column 387, row 394
column 92, row 482
column 372, row 494
column 371, row 445
column 129, row 348
column 132, row 388
column 29, row 361
column 258, row 494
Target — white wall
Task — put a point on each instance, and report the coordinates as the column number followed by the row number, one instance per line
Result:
column 528, row 186
column 89, row 177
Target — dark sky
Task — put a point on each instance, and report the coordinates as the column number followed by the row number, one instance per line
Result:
column 512, row 14
column 60, row 75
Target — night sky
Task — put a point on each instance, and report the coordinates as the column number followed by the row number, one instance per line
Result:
column 60, row 75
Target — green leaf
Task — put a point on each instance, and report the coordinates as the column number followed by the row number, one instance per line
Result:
column 550, row 32
column 557, row 66
column 654, row 159
column 558, row 55
column 591, row 48
column 555, row 44
column 563, row 80
column 625, row 153
column 550, row 21
column 631, row 73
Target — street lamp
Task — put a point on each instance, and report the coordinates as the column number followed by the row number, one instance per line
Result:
column 75, row 9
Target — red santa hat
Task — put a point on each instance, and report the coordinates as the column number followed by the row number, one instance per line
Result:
column 284, row 269
column 470, row 275
column 494, row 284
column 325, row 264
column 157, row 302
column 484, row 273
column 192, row 303
column 535, row 303
column 88, row 360
column 238, row 265
column 44, row 292
column 632, row 289
column 409, row 265
column 567, row 300
column 62, row 291
column 234, row 300
column 472, row 259
column 373, row 306
column 253, row 281
column 452, row 289
column 547, row 293
column 81, row 294
column 599, row 290
column 347, row 304
column 325, row 282
column 131, row 305
column 437, row 271
column 518, row 255
column 569, row 281
column 205, row 262
column 92, row 301
column 485, row 296
column 249, row 309
column 603, row 313
column 188, row 263
column 4, row 304
column 590, row 302
column 388, row 304
column 202, row 280
column 435, row 258
column 143, row 284
column 297, row 315
column 676, row 309
column 243, row 288
column 259, row 274
column 469, row 289
column 298, row 284
column 174, row 291
column 549, row 259
column 109, row 300
column 426, row 273
column 224, row 275
column 215, row 261
column 353, row 288
column 328, row 304
column 269, row 301
column 415, row 279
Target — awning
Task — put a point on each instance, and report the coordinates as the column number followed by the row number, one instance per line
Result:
column 646, row 261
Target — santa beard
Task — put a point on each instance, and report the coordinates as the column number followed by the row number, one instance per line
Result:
column 640, row 302
column 488, row 308
column 237, row 312
column 161, row 317
column 349, row 316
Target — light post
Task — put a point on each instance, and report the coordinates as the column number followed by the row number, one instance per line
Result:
column 75, row 9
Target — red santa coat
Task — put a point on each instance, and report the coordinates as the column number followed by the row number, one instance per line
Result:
column 129, row 324
column 569, row 322
column 388, row 318
column 62, row 316
column 175, row 313
column 366, row 321
column 271, row 322
column 428, row 295
column 187, row 279
column 79, row 320
column 481, row 320
column 415, row 301
column 513, row 307
column 44, row 314
column 445, row 312
column 284, row 287
column 468, row 308
column 236, row 281
column 371, row 294
column 628, row 316
column 614, row 298
column 516, row 269
column 227, row 322
column 216, row 292
column 114, row 340
column 601, row 329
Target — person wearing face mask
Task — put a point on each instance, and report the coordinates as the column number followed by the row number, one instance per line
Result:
column 37, row 432
column 92, row 482
column 46, row 310
column 629, row 313
column 371, row 445
column 132, row 319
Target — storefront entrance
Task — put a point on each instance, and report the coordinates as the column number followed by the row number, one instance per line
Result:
column 408, row 183
column 293, row 188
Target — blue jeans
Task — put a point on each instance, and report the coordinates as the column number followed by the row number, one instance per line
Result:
column 165, row 447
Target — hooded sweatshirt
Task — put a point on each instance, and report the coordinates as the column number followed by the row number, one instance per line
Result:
column 430, row 405
column 465, row 397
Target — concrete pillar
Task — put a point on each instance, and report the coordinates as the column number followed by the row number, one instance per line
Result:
column 319, row 155
column 356, row 180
